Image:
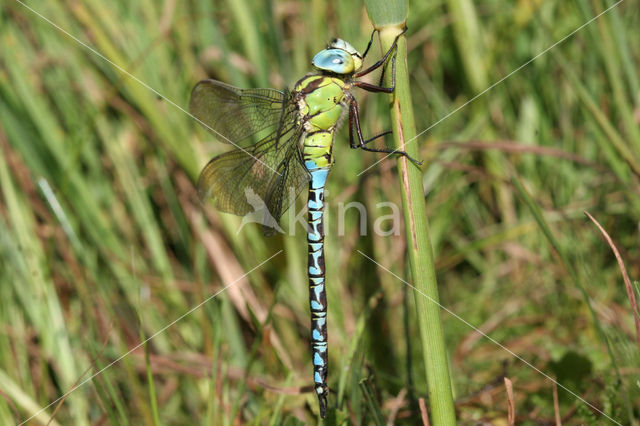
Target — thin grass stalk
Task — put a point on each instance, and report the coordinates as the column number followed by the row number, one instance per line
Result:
column 393, row 14
column 348, row 361
column 635, row 309
column 153, row 399
column 374, row 415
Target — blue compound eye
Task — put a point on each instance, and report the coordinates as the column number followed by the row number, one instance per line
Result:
column 334, row 60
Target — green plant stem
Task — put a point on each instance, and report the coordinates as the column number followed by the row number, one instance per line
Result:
column 418, row 241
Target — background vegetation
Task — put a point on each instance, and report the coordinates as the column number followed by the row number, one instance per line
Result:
column 103, row 242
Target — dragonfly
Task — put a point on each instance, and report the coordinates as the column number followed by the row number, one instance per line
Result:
column 284, row 142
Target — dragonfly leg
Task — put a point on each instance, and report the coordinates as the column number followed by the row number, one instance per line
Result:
column 361, row 142
column 354, row 123
column 352, row 142
column 380, row 88
column 364, row 55
column 384, row 58
column 393, row 65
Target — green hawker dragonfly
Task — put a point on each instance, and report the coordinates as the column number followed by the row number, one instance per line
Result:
column 296, row 130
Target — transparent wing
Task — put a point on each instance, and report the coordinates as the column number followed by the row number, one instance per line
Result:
column 234, row 115
column 266, row 176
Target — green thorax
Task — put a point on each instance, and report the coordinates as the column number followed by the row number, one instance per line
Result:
column 321, row 102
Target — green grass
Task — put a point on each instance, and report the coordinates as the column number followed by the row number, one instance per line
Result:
column 103, row 241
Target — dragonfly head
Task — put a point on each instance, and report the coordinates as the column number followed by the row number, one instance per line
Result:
column 339, row 57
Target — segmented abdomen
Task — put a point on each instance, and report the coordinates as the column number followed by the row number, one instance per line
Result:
column 320, row 109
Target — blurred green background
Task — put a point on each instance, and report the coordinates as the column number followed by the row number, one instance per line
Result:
column 103, row 241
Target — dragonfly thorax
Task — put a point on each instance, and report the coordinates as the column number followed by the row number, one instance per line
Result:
column 339, row 58
column 320, row 101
